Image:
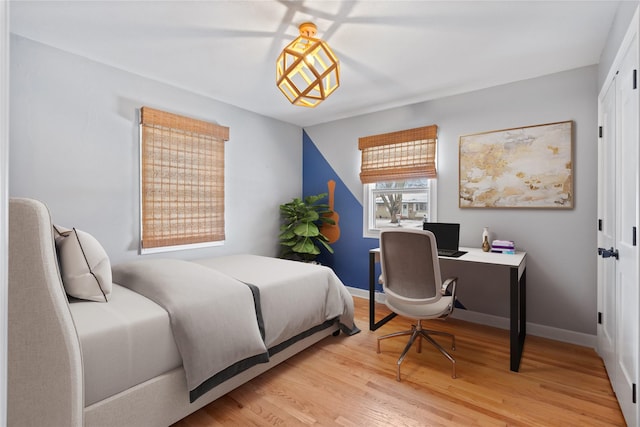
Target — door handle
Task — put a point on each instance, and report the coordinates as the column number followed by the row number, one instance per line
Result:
column 608, row 253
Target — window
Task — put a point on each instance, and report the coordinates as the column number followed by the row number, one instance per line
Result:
column 398, row 204
column 182, row 181
column 398, row 172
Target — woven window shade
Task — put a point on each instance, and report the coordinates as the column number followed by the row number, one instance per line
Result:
column 395, row 156
column 182, row 180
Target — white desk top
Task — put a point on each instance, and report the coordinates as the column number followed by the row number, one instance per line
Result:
column 478, row 255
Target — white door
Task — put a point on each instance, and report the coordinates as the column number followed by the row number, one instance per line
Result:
column 628, row 320
column 607, row 227
column 619, row 213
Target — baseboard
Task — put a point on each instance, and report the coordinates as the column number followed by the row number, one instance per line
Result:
column 535, row 329
column 361, row 293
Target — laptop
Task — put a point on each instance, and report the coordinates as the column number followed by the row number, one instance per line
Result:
column 447, row 237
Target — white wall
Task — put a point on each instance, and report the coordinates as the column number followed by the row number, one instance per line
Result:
column 561, row 244
column 4, row 193
column 74, row 145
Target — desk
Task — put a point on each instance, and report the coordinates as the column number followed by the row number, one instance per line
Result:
column 516, row 265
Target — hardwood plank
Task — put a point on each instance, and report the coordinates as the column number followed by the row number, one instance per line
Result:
column 342, row 381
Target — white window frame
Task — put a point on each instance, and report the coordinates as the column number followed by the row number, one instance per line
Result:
column 368, row 206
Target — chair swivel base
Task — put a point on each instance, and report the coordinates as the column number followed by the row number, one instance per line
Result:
column 417, row 332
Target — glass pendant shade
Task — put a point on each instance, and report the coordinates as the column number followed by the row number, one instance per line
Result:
column 307, row 70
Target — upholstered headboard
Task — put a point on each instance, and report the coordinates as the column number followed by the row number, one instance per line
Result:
column 45, row 382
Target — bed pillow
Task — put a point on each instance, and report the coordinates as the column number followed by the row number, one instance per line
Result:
column 84, row 265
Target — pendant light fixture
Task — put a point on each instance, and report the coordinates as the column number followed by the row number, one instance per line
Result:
column 307, row 70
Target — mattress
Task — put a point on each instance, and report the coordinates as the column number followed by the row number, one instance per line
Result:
column 124, row 342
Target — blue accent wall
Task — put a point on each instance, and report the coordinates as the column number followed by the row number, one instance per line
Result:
column 350, row 259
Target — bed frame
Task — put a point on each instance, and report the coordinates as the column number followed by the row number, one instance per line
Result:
column 45, row 370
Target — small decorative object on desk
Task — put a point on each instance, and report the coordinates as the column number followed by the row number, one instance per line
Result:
column 485, row 240
column 503, row 247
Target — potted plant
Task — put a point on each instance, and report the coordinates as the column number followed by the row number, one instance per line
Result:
column 300, row 236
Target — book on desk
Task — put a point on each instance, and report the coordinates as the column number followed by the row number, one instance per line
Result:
column 503, row 247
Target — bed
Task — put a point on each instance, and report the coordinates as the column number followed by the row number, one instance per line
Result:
column 132, row 360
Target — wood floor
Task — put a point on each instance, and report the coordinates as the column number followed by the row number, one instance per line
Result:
column 342, row 381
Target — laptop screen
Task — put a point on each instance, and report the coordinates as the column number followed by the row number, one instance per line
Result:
column 447, row 234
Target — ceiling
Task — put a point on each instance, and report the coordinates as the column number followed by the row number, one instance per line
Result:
column 391, row 52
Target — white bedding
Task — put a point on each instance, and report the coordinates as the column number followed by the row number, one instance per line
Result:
column 295, row 296
column 131, row 338
column 213, row 317
column 124, row 342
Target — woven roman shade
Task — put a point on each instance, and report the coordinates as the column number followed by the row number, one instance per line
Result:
column 182, row 173
column 396, row 156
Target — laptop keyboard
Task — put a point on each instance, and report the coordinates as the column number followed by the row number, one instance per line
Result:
column 450, row 253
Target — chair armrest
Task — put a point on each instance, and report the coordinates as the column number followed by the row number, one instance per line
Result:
column 451, row 282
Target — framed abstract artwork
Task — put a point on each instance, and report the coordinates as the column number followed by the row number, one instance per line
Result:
column 527, row 167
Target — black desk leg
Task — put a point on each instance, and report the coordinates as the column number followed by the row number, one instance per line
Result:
column 518, row 316
column 373, row 325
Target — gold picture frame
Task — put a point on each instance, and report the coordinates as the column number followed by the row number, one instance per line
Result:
column 526, row 167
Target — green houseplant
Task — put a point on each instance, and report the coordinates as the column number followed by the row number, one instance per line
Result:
column 300, row 235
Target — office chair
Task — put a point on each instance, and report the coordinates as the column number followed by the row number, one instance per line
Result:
column 413, row 286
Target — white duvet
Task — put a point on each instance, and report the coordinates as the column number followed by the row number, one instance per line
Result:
column 295, row 296
column 226, row 312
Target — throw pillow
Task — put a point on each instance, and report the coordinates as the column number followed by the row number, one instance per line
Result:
column 84, row 265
